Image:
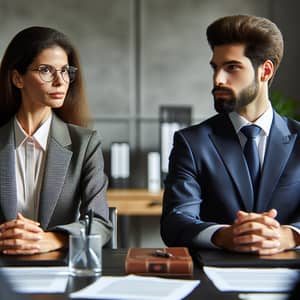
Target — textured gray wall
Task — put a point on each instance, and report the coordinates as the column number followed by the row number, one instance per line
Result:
column 286, row 15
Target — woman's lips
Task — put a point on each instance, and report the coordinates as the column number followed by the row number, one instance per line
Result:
column 57, row 95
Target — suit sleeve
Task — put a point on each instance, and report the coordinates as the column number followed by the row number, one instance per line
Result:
column 93, row 186
column 180, row 221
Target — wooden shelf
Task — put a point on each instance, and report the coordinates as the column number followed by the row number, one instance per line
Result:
column 138, row 202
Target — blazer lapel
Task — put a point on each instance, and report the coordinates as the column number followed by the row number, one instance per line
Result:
column 280, row 145
column 8, row 190
column 227, row 143
column 56, row 167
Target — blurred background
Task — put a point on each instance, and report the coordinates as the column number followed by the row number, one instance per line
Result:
column 140, row 55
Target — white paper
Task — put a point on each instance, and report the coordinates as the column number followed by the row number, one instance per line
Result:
column 264, row 296
column 37, row 279
column 252, row 279
column 133, row 287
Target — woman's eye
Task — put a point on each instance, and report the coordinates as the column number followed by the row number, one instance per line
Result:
column 45, row 70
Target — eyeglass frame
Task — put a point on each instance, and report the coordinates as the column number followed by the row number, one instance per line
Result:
column 55, row 71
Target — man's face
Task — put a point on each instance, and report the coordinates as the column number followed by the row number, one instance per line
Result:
column 235, row 80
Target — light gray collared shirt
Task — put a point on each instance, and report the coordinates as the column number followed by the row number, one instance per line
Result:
column 30, row 154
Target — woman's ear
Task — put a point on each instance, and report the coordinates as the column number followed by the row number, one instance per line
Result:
column 17, row 79
column 267, row 70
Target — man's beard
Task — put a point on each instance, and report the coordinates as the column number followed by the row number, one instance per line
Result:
column 235, row 103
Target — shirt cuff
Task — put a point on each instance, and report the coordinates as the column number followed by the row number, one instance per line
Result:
column 203, row 239
column 295, row 229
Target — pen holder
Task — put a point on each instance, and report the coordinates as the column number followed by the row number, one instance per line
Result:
column 85, row 255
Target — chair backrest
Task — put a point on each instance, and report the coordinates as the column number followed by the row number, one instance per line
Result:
column 113, row 217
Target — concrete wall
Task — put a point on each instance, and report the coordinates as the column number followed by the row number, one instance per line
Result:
column 140, row 54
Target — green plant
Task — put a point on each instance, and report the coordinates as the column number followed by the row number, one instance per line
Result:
column 285, row 106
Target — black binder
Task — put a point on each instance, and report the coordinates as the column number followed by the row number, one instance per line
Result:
column 223, row 258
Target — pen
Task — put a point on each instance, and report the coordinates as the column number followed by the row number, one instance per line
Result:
column 160, row 253
column 91, row 216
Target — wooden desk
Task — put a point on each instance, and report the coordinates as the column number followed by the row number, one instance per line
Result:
column 138, row 202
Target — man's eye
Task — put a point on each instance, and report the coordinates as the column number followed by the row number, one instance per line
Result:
column 233, row 67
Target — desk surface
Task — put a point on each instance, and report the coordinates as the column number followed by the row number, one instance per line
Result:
column 113, row 265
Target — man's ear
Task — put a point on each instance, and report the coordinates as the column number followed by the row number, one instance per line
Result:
column 17, row 79
column 267, row 70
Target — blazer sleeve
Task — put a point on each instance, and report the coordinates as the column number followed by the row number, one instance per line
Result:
column 93, row 186
column 180, row 221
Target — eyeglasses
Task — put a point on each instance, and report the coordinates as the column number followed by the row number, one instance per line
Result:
column 48, row 73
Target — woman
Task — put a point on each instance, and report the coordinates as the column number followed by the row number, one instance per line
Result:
column 51, row 167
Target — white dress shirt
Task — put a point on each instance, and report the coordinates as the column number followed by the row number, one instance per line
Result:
column 30, row 154
column 264, row 122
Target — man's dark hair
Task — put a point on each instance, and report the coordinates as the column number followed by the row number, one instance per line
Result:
column 261, row 37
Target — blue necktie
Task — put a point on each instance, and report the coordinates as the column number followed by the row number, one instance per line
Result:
column 251, row 154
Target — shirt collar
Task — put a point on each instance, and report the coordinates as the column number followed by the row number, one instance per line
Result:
column 40, row 136
column 264, row 121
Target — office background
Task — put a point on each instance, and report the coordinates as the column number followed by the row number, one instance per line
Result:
column 140, row 54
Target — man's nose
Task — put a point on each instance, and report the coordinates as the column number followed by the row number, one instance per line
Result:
column 220, row 78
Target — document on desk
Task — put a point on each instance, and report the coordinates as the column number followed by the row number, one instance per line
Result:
column 252, row 279
column 37, row 279
column 133, row 287
column 264, row 296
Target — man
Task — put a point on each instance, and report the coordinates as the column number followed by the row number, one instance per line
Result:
column 215, row 196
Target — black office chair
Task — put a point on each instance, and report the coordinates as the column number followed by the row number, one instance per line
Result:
column 113, row 217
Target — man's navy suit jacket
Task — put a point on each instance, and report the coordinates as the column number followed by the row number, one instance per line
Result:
column 208, row 179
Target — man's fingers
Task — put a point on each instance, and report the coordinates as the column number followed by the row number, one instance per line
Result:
column 272, row 213
column 246, row 216
column 267, row 228
column 257, row 218
column 259, row 246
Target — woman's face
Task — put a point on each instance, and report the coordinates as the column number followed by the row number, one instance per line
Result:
column 37, row 93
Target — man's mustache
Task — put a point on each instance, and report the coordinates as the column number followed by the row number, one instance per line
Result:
column 221, row 88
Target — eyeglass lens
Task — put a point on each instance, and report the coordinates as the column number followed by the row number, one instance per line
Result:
column 48, row 73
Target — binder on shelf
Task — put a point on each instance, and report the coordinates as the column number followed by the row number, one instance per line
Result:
column 154, row 183
column 120, row 164
column 172, row 118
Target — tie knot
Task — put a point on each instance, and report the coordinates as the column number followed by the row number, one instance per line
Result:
column 251, row 131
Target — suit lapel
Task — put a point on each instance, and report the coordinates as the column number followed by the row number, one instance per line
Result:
column 227, row 143
column 280, row 145
column 8, row 190
column 56, row 167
